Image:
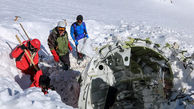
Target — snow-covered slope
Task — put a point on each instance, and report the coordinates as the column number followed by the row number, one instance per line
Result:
column 160, row 20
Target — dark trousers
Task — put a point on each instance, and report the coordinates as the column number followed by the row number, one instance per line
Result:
column 65, row 59
column 79, row 55
column 31, row 71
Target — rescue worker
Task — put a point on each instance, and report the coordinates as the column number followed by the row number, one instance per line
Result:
column 22, row 60
column 41, row 81
column 78, row 31
column 59, row 44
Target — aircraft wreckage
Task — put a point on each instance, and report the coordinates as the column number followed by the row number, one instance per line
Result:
column 134, row 75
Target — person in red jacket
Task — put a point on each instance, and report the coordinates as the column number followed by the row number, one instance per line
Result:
column 41, row 81
column 22, row 60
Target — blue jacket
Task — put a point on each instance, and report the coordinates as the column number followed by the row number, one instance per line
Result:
column 78, row 31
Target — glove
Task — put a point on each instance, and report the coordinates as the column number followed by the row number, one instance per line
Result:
column 55, row 55
column 76, row 42
column 69, row 45
column 86, row 36
column 23, row 47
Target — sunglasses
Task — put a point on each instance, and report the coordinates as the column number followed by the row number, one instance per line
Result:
column 61, row 29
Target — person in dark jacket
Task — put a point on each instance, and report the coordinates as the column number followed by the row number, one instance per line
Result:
column 59, row 44
column 22, row 60
column 78, row 31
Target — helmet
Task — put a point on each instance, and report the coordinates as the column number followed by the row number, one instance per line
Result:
column 61, row 24
column 79, row 17
column 35, row 43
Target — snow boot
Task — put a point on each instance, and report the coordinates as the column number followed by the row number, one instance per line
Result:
column 80, row 58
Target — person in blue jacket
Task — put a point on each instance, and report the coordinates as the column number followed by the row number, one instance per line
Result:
column 78, row 31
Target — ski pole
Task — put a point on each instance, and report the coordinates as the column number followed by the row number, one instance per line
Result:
column 16, row 20
column 31, row 60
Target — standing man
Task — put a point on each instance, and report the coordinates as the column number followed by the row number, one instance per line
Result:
column 22, row 60
column 78, row 31
column 59, row 44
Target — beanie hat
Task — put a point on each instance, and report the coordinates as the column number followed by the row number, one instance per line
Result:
column 79, row 17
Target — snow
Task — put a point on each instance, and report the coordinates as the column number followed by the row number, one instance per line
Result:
column 160, row 20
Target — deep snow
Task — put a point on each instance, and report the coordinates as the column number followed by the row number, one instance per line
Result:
column 108, row 20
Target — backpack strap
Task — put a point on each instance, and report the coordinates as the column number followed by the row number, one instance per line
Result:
column 75, row 30
column 20, row 56
column 84, row 27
